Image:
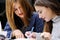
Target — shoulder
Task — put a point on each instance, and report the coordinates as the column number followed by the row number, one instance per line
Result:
column 35, row 14
column 7, row 24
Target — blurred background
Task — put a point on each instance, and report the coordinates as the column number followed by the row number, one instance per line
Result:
column 2, row 13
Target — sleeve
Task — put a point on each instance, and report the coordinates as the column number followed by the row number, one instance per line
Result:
column 8, row 29
column 37, row 36
column 39, row 24
column 55, row 38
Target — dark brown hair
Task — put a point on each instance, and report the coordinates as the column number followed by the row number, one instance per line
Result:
column 53, row 4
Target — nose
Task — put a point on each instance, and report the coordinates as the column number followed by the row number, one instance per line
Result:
column 19, row 11
column 41, row 16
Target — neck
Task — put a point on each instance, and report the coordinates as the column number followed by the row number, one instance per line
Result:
column 54, row 15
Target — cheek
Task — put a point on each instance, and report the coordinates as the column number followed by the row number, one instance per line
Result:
column 40, row 16
column 16, row 13
column 47, row 18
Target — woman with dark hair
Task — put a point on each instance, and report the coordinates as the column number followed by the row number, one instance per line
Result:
column 21, row 18
column 49, row 10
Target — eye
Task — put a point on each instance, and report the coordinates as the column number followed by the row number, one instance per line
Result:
column 15, row 9
column 39, row 12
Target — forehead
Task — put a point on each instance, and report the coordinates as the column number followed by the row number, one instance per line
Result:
column 38, row 7
column 16, row 4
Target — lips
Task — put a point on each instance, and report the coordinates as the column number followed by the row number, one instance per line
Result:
column 21, row 14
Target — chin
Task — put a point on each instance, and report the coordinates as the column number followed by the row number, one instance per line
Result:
column 22, row 16
column 47, row 20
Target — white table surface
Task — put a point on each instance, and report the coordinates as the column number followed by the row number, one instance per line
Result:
column 21, row 39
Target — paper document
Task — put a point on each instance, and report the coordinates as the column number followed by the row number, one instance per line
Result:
column 3, row 33
column 21, row 39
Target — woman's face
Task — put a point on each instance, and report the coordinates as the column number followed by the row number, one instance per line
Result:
column 45, row 13
column 18, row 10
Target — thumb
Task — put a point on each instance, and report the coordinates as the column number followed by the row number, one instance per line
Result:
column 42, row 35
column 27, row 34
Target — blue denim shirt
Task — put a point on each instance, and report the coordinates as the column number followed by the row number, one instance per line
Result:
column 35, row 22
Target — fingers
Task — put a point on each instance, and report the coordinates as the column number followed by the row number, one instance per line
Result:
column 19, row 36
column 30, row 35
column 27, row 34
column 45, row 35
column 22, row 36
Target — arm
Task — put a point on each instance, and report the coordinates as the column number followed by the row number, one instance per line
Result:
column 39, row 24
column 17, row 33
column 8, row 29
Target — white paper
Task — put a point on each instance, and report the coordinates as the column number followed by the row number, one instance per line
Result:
column 3, row 33
column 21, row 39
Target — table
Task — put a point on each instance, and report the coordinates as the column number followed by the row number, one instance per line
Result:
column 25, row 39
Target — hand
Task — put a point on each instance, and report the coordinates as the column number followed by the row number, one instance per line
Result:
column 30, row 35
column 46, row 35
column 18, row 34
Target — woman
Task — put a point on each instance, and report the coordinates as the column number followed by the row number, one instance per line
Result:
column 49, row 10
column 21, row 18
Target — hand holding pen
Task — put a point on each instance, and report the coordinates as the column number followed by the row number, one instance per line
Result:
column 30, row 34
column 32, row 29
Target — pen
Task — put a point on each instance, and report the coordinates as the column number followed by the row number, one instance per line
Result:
column 31, row 32
column 32, row 29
